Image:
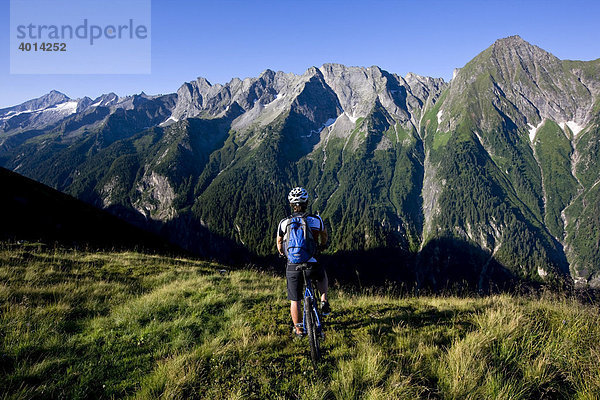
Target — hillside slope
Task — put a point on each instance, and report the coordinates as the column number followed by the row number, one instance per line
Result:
column 115, row 325
column 35, row 212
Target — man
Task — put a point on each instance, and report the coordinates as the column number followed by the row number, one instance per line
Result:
column 298, row 199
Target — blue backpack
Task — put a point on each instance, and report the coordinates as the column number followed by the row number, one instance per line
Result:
column 300, row 245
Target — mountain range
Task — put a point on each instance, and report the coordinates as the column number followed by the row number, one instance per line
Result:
column 492, row 176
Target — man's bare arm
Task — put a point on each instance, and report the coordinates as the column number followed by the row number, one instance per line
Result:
column 280, row 244
column 323, row 237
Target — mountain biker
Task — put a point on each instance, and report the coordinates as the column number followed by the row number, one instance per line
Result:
column 298, row 198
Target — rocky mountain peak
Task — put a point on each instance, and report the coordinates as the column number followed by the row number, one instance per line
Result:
column 313, row 71
column 55, row 93
column 514, row 51
column 203, row 83
column 106, row 100
column 267, row 74
column 83, row 103
column 526, row 82
column 511, row 41
column 50, row 99
column 354, row 91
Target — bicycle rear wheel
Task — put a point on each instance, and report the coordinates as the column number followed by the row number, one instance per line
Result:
column 311, row 331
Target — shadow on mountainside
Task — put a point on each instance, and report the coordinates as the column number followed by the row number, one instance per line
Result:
column 35, row 212
column 188, row 233
column 447, row 265
column 444, row 265
column 374, row 267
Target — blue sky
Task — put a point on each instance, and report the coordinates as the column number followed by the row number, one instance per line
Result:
column 224, row 39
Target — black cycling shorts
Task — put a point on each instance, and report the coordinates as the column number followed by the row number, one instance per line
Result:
column 295, row 280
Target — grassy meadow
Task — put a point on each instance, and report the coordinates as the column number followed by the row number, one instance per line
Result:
column 128, row 325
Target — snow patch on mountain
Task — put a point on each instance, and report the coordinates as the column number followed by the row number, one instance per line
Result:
column 67, row 108
column 352, row 118
column 11, row 114
column 279, row 96
column 533, row 129
column 327, row 124
column 573, row 126
column 168, row 121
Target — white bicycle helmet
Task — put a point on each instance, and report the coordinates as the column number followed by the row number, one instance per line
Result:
column 298, row 195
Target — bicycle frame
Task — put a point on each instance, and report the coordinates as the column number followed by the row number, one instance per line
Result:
column 311, row 321
column 309, row 293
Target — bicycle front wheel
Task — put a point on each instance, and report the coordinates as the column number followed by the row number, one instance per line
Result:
column 311, row 331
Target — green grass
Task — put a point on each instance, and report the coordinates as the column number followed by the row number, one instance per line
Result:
column 102, row 325
column 441, row 139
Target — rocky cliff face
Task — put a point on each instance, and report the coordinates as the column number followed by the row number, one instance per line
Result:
column 490, row 176
column 527, row 83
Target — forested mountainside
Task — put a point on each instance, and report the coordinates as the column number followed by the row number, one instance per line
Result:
column 493, row 175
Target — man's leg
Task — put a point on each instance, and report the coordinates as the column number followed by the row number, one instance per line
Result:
column 323, row 285
column 296, row 312
column 294, row 290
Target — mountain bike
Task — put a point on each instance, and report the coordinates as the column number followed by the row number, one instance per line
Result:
column 311, row 319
